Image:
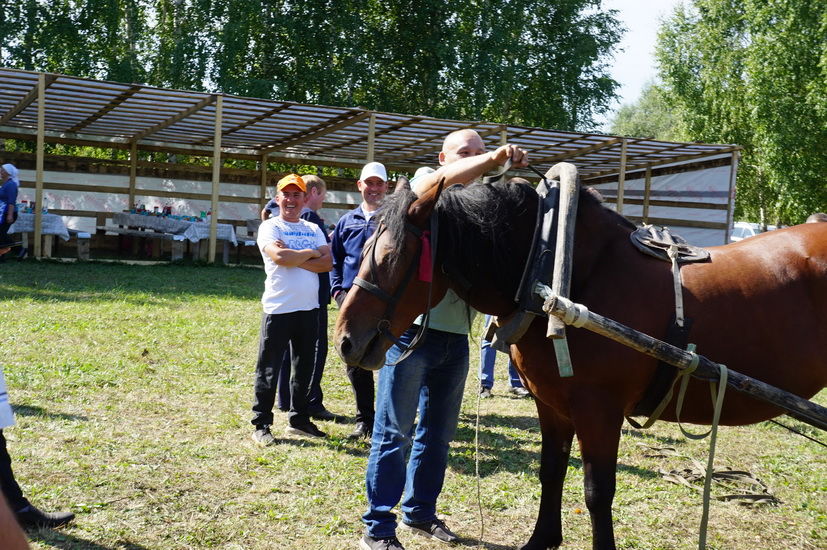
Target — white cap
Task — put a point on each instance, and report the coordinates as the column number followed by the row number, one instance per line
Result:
column 373, row 169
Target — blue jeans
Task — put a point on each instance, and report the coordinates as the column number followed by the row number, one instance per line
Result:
column 404, row 461
column 488, row 357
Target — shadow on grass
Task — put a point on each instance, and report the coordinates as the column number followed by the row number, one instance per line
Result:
column 133, row 284
column 67, row 541
column 30, row 410
column 637, row 434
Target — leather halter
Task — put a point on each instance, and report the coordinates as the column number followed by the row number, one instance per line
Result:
column 383, row 326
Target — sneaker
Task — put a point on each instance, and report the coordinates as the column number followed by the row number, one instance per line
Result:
column 485, row 393
column 389, row 543
column 519, row 392
column 309, row 429
column 263, row 436
column 324, row 414
column 434, row 529
column 30, row 517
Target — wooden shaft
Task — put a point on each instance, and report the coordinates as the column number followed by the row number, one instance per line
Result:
column 797, row 407
column 216, row 178
column 38, row 193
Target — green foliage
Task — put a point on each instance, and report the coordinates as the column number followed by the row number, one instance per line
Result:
column 753, row 73
column 534, row 62
column 649, row 117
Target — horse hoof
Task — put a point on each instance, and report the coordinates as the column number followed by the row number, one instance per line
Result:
column 534, row 544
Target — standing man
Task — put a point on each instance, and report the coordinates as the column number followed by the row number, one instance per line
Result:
column 488, row 357
column 294, row 251
column 316, row 191
column 349, row 237
column 431, row 380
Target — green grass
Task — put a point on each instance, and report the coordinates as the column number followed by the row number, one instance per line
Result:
column 132, row 387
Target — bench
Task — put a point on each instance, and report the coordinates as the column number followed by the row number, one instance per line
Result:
column 178, row 241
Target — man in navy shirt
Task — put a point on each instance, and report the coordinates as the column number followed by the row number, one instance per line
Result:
column 349, row 237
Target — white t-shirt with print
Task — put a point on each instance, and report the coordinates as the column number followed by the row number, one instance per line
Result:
column 289, row 289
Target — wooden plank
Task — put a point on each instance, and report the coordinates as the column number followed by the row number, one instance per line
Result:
column 647, row 188
column 577, row 152
column 27, row 99
column 216, row 177
column 797, row 407
column 671, row 160
column 144, row 192
column 169, row 122
column 319, row 130
column 673, row 203
column 371, row 137
column 431, row 148
column 133, row 170
column 247, row 123
column 38, row 186
column 733, row 171
column 115, row 102
column 621, row 177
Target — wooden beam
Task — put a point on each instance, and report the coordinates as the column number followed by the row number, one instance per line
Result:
column 371, row 136
column 133, row 171
column 680, row 223
column 316, row 131
column 503, row 134
column 180, row 116
column 255, row 120
column 38, row 186
column 621, row 177
column 216, row 178
column 578, row 152
column 115, row 102
column 647, row 188
column 361, row 138
column 672, row 160
column 431, row 148
column 733, row 171
column 27, row 99
column 263, row 183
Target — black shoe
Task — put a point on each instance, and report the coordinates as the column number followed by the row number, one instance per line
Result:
column 307, row 429
column 361, row 431
column 263, row 436
column 324, row 414
column 390, row 543
column 435, row 529
column 30, row 517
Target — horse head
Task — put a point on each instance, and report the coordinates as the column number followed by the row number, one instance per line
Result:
column 396, row 279
column 473, row 230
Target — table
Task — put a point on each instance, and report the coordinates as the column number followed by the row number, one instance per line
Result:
column 192, row 231
column 50, row 225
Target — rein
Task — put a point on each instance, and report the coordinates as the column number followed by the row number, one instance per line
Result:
column 424, row 266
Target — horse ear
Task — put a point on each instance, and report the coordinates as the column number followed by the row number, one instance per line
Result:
column 420, row 211
column 402, row 183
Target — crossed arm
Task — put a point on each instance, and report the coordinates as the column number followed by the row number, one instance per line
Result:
column 316, row 260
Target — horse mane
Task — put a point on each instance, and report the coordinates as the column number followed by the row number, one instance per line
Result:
column 478, row 226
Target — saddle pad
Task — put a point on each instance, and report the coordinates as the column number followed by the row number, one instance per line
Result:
column 656, row 242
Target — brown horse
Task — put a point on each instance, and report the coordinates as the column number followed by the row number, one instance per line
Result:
column 759, row 306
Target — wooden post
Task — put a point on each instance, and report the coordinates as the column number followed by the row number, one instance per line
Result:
column 38, row 186
column 216, row 177
column 263, row 190
column 133, row 173
column 733, row 174
column 621, row 177
column 503, row 134
column 371, row 136
column 646, row 190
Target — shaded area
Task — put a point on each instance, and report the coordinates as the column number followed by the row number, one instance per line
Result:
column 67, row 541
column 32, row 410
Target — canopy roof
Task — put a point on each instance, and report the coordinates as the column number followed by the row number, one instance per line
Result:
column 112, row 114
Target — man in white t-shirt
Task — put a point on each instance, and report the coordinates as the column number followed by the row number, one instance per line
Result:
column 294, row 252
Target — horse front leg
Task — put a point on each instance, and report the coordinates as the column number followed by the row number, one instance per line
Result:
column 557, row 434
column 597, row 424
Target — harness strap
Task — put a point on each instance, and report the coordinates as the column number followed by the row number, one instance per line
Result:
column 373, row 289
column 678, row 284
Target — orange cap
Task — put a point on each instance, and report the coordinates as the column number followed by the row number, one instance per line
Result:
column 291, row 179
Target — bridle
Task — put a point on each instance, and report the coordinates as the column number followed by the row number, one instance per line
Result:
column 428, row 240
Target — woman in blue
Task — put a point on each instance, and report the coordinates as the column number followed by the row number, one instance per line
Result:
column 8, row 204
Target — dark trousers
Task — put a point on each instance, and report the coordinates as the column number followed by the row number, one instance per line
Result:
column 314, row 398
column 295, row 331
column 5, row 240
column 362, row 382
column 11, row 490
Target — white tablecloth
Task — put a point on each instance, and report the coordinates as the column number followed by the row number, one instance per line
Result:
column 192, row 231
column 52, row 224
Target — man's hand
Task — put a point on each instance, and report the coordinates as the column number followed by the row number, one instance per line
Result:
column 501, row 154
column 340, row 297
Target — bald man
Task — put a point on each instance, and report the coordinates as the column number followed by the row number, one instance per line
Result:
column 430, row 381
